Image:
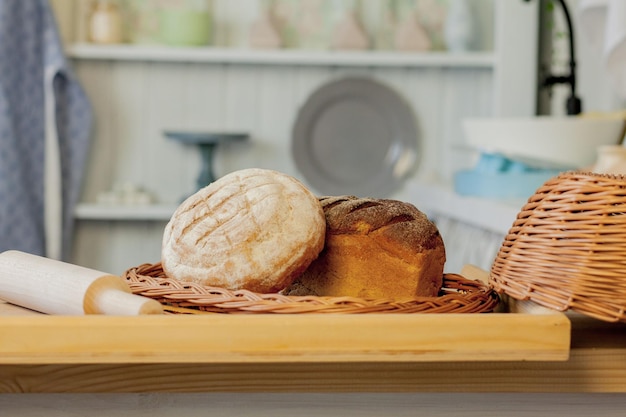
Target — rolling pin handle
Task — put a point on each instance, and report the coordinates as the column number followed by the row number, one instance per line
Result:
column 115, row 302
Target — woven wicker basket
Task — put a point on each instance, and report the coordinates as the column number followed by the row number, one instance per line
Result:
column 459, row 295
column 567, row 247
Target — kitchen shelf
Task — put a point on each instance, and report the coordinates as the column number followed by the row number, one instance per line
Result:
column 494, row 215
column 369, row 58
column 152, row 212
column 490, row 214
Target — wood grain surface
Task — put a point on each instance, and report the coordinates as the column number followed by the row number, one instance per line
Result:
column 597, row 363
column 588, row 370
column 216, row 338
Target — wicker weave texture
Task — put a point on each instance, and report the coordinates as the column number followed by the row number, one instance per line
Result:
column 459, row 295
column 567, row 247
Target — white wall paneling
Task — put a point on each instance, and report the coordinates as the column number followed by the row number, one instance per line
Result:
column 114, row 246
column 138, row 92
column 516, row 26
column 135, row 101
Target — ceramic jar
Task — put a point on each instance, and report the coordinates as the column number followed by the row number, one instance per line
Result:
column 611, row 160
column 459, row 26
column 185, row 26
column 105, row 24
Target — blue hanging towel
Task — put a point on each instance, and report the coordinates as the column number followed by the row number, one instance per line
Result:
column 45, row 130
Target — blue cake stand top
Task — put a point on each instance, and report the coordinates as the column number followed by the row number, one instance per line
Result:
column 205, row 138
column 206, row 142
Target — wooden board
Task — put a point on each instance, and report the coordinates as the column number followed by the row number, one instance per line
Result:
column 215, row 338
column 597, row 363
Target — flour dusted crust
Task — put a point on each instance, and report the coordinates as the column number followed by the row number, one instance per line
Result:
column 375, row 248
column 253, row 229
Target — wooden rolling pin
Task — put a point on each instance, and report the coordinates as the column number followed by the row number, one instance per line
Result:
column 56, row 287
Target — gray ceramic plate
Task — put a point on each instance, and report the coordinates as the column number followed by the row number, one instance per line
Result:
column 355, row 136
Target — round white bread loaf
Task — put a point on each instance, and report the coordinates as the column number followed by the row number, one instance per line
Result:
column 253, row 229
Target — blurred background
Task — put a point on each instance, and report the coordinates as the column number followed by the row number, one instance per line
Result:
column 265, row 69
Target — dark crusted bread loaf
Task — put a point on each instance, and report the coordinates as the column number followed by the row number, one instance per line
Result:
column 375, row 248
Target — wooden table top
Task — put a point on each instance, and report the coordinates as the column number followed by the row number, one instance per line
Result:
column 373, row 354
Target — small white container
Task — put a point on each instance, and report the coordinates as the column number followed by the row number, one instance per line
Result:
column 459, row 30
column 105, row 24
column 611, row 160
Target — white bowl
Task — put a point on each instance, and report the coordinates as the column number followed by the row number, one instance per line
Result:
column 545, row 141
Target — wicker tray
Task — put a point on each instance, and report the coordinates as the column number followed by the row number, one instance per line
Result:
column 567, row 247
column 459, row 295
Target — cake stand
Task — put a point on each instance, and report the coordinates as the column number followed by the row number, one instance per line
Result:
column 207, row 142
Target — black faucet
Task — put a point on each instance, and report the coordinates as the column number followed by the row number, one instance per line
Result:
column 574, row 103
